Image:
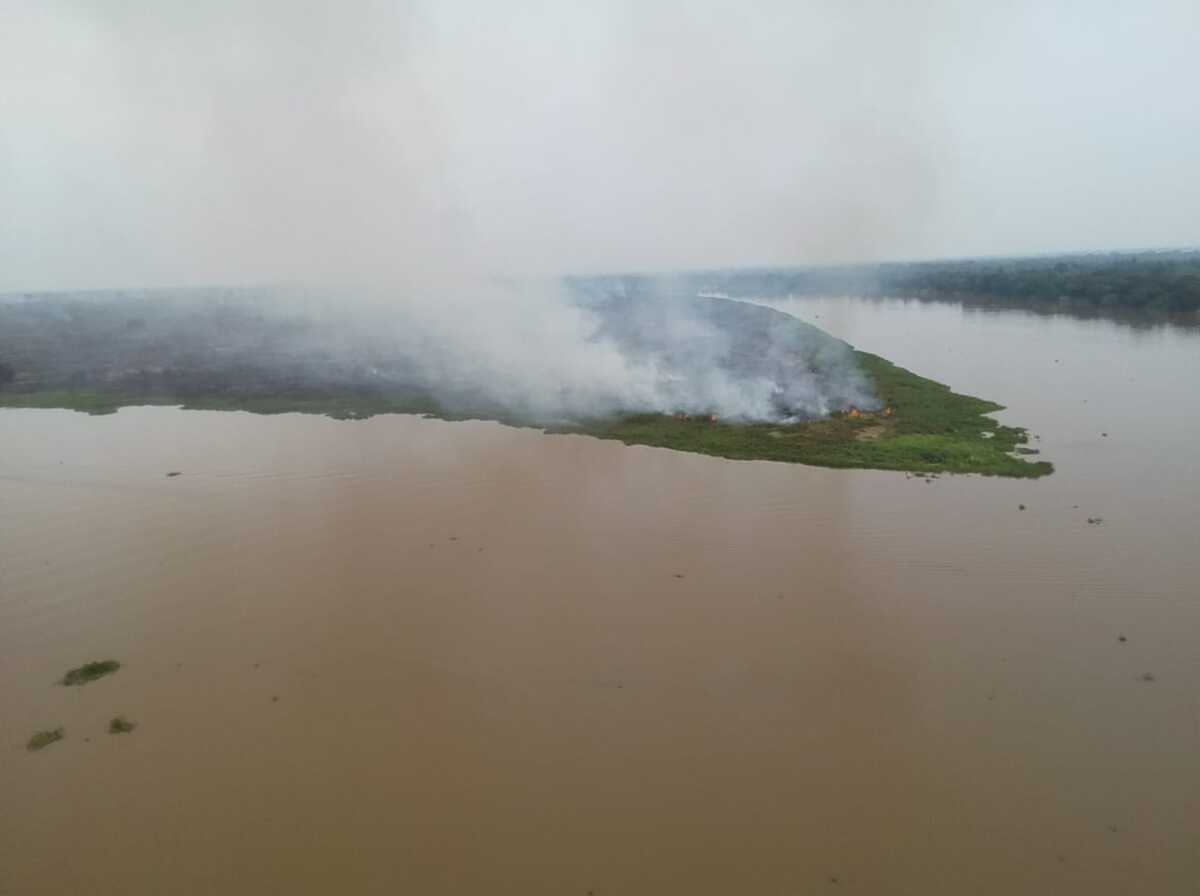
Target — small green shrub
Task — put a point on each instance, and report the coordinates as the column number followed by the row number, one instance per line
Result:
column 120, row 725
column 90, row 672
column 43, row 739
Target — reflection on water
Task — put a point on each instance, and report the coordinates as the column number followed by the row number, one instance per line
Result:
column 529, row 664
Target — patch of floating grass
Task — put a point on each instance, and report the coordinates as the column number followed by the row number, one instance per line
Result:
column 89, row 672
column 120, row 725
column 43, row 739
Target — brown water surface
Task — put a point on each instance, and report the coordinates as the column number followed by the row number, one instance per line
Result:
column 403, row 655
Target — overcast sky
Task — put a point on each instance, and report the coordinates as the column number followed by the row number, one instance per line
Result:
column 150, row 143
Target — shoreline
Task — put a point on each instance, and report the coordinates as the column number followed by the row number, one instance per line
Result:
column 928, row 428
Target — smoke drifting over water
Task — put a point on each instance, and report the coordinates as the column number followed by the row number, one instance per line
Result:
column 456, row 158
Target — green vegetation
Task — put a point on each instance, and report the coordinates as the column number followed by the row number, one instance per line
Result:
column 87, row 402
column 340, row 407
column 89, row 672
column 96, row 356
column 930, row 430
column 43, row 739
column 1163, row 282
column 120, row 725
column 1138, row 282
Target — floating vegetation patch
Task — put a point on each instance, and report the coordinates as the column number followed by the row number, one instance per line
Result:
column 89, row 672
column 43, row 739
column 120, row 725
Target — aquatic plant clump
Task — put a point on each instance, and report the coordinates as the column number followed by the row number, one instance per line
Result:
column 89, row 672
column 42, row 739
column 120, row 725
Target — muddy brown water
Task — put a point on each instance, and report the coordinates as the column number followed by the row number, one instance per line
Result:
column 402, row 655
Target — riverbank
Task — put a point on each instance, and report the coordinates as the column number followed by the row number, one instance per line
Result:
column 924, row 427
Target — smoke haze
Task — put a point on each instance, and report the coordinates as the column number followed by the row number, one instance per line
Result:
column 230, row 142
column 425, row 150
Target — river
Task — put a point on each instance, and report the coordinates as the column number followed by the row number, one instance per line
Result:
column 405, row 655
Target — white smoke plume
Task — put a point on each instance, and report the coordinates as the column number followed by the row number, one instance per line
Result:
column 537, row 351
column 433, row 166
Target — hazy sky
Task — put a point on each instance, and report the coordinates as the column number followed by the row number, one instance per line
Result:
column 195, row 142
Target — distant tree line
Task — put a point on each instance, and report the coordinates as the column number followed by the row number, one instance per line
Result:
column 1152, row 281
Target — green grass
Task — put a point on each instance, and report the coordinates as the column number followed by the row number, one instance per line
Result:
column 90, row 672
column 931, row 429
column 43, row 739
column 120, row 725
column 87, row 402
column 341, row 407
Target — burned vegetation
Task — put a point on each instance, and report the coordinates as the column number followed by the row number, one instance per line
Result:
column 923, row 427
column 816, row 399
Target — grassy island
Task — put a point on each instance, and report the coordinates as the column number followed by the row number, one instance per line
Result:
column 924, row 426
column 99, row 354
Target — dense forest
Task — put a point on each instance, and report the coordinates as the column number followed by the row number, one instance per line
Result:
column 1165, row 281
